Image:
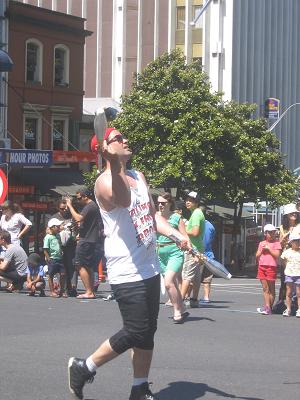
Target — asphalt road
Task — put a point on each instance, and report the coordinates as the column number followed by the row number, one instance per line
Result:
column 225, row 350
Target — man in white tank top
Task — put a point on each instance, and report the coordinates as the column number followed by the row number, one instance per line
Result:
column 130, row 225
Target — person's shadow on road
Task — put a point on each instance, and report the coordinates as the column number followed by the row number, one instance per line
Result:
column 194, row 391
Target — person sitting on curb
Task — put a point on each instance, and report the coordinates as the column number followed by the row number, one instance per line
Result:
column 35, row 275
column 13, row 265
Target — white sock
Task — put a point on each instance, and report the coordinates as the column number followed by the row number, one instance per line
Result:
column 90, row 364
column 139, row 381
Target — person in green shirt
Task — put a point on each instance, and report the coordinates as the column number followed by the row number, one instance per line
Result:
column 171, row 257
column 192, row 267
column 53, row 256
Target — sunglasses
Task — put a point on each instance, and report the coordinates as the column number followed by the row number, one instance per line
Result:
column 162, row 202
column 118, row 138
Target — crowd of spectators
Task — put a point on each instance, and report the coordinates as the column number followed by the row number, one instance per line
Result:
column 72, row 244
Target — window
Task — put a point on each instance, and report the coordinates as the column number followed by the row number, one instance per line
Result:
column 34, row 56
column 196, row 12
column 31, row 133
column 180, row 18
column 60, row 134
column 61, row 66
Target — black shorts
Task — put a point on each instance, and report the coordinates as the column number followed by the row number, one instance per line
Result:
column 87, row 255
column 55, row 267
column 139, row 306
column 13, row 276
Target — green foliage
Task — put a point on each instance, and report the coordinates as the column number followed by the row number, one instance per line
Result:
column 182, row 133
column 89, row 178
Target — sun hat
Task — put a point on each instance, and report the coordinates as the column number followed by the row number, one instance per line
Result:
column 54, row 222
column 269, row 228
column 294, row 236
column 289, row 208
column 192, row 195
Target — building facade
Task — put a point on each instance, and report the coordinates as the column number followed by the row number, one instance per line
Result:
column 127, row 35
column 45, row 87
column 44, row 108
column 252, row 54
column 249, row 48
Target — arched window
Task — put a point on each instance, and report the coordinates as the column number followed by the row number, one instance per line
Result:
column 34, row 61
column 61, row 65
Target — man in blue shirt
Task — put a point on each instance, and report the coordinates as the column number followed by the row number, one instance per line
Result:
column 209, row 235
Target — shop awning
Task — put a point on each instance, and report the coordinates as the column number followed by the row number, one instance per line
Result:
column 50, row 181
column 6, row 63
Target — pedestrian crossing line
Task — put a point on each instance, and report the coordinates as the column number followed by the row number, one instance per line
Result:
column 235, row 311
column 237, row 291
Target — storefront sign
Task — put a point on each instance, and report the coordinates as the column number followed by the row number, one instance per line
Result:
column 26, row 157
column 272, row 108
column 21, row 189
column 73, row 156
column 34, row 205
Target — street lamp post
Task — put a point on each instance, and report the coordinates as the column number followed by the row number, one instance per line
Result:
column 270, row 129
column 193, row 23
column 282, row 115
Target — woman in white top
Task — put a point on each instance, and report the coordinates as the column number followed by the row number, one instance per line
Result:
column 14, row 222
column 290, row 225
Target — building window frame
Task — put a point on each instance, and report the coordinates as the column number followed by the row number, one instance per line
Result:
column 38, row 118
column 36, row 64
column 61, row 73
column 180, row 18
column 65, row 123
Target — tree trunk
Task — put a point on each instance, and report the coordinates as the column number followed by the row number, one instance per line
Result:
column 237, row 218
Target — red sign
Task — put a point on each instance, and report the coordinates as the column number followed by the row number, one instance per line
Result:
column 73, row 156
column 34, row 205
column 3, row 186
column 21, row 189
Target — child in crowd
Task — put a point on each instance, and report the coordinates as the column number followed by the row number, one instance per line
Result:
column 53, row 256
column 35, row 275
column 291, row 258
column 267, row 254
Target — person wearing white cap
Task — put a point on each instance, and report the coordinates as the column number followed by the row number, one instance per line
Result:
column 290, row 224
column 291, row 257
column 267, row 254
column 53, row 255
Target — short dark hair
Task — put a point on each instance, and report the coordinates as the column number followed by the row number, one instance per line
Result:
column 179, row 205
column 85, row 192
column 34, row 260
column 5, row 236
column 170, row 199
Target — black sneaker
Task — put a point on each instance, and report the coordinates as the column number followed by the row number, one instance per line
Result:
column 72, row 292
column 78, row 376
column 141, row 392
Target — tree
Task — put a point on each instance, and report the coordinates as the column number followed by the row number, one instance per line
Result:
column 184, row 134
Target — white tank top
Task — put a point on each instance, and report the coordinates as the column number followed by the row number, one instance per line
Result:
column 129, row 244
